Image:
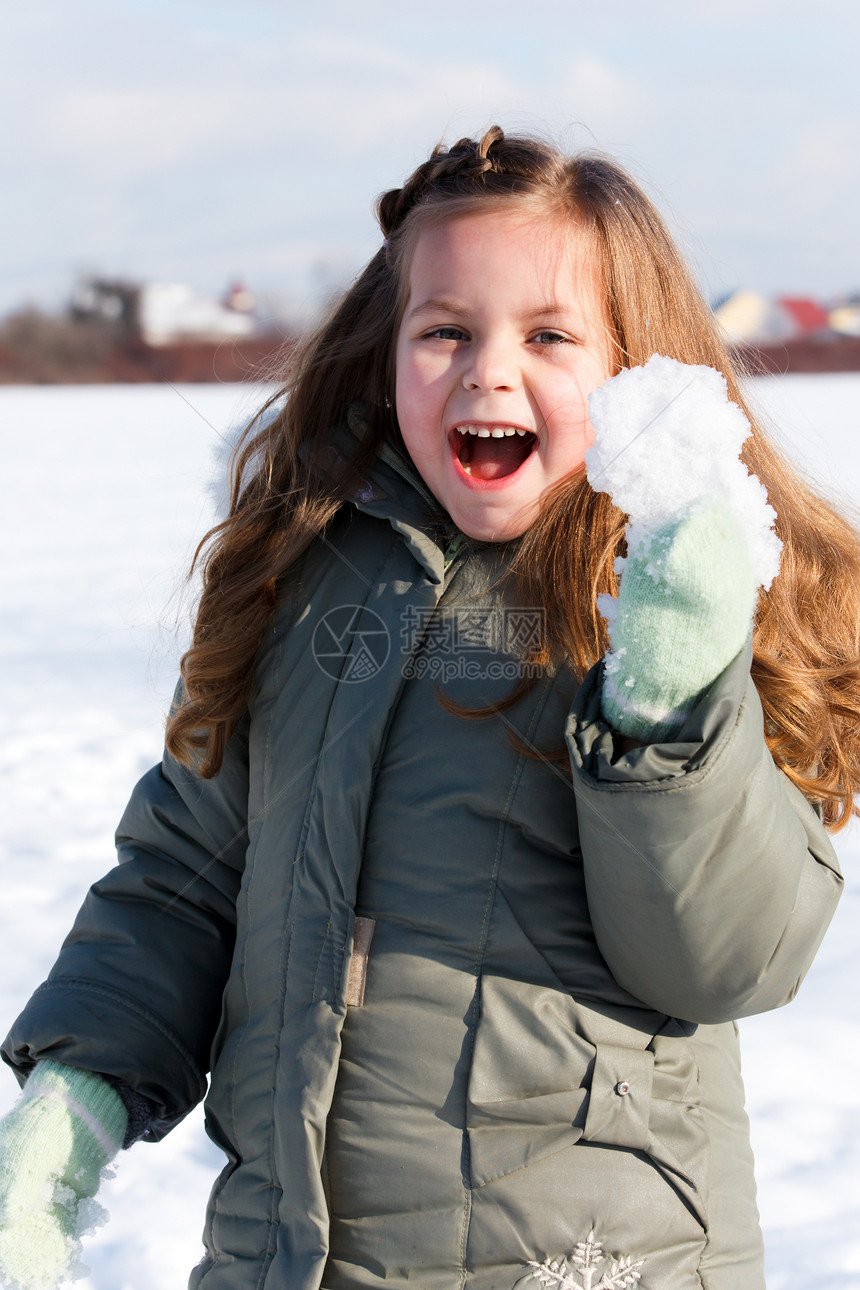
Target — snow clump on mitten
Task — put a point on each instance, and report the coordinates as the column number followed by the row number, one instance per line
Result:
column 667, row 436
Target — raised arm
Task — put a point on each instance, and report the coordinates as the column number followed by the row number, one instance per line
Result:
column 710, row 878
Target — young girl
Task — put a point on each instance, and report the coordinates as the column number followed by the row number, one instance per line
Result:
column 467, row 1001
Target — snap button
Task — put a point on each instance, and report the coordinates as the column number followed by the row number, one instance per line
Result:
column 622, row 1088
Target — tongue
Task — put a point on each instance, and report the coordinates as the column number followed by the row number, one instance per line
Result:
column 495, row 458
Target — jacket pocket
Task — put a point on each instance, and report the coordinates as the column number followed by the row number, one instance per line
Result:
column 548, row 1073
column 527, row 1090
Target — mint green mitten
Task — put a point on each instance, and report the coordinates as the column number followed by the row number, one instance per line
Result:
column 684, row 610
column 55, row 1142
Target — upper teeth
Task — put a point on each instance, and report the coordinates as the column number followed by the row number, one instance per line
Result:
column 497, row 432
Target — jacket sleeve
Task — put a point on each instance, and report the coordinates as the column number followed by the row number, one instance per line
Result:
column 136, row 990
column 710, row 878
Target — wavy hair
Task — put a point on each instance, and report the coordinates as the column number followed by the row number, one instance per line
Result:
column 807, row 629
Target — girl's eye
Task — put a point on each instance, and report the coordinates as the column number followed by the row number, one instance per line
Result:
column 447, row 333
column 551, row 338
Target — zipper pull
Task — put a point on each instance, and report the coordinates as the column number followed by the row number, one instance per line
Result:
column 454, row 548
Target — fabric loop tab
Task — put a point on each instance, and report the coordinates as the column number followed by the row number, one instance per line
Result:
column 619, row 1102
column 357, row 975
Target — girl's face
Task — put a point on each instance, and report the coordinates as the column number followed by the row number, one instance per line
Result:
column 503, row 338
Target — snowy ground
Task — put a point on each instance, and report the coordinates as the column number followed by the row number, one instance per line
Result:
column 105, row 494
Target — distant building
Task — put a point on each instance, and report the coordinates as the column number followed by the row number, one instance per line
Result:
column 170, row 312
column 240, row 299
column 808, row 316
column 742, row 318
column 106, row 300
column 747, row 318
column 166, row 313
column 845, row 318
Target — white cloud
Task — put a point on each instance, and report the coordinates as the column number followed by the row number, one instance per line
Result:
column 823, row 152
column 323, row 96
column 139, row 128
column 605, row 91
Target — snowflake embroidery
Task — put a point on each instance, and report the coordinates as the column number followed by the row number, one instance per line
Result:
column 586, row 1257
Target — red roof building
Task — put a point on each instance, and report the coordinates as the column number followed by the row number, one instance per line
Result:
column 807, row 315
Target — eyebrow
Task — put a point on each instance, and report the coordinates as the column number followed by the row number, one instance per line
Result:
column 551, row 311
column 440, row 304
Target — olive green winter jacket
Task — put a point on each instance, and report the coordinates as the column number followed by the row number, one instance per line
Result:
column 524, row 1066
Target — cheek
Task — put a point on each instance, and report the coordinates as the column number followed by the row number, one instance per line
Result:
column 567, row 403
column 420, row 392
column 410, row 404
column 400, row 373
column 410, row 381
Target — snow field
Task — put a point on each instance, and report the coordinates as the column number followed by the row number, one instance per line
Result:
column 106, row 494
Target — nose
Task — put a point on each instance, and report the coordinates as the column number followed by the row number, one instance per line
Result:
column 491, row 366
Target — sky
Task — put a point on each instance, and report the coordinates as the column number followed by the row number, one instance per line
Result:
column 247, row 139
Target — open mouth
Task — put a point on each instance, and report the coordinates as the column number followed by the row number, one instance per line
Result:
column 491, row 451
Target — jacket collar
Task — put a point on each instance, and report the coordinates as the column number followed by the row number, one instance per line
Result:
column 393, row 490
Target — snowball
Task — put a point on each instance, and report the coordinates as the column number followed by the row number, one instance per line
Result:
column 667, row 435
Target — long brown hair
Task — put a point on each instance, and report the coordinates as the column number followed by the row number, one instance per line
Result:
column 807, row 631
